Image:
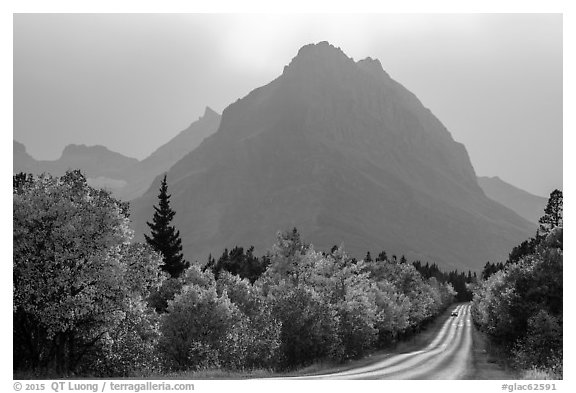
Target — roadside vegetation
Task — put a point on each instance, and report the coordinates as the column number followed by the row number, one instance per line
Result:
column 519, row 303
column 91, row 302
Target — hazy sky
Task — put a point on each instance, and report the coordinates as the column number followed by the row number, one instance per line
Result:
column 132, row 82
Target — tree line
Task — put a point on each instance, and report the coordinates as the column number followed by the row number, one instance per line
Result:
column 90, row 301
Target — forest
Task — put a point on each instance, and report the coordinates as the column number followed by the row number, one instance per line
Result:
column 519, row 303
column 90, row 301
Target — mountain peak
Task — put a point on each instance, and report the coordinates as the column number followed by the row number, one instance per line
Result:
column 372, row 66
column 209, row 113
column 322, row 47
column 321, row 55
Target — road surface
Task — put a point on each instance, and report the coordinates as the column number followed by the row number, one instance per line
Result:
column 447, row 356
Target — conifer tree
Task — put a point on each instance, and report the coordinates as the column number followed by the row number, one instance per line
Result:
column 368, row 257
column 552, row 217
column 164, row 237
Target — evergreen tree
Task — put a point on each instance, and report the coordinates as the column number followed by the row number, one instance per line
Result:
column 552, row 217
column 368, row 257
column 382, row 256
column 164, row 237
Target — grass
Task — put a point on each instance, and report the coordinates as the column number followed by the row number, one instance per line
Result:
column 214, row 374
column 489, row 361
column 538, row 373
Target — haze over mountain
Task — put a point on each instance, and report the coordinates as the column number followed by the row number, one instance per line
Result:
column 347, row 155
column 168, row 154
column 126, row 177
column 527, row 205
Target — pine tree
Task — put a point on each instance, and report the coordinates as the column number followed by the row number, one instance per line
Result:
column 552, row 213
column 164, row 237
column 368, row 257
column 382, row 256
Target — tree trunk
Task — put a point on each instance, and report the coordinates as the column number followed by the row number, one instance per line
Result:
column 60, row 363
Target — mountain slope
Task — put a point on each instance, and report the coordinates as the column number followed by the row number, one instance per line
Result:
column 142, row 175
column 527, row 205
column 346, row 154
column 22, row 161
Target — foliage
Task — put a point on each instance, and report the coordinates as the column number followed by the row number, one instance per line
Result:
column 542, row 344
column 159, row 298
column 76, row 278
column 459, row 280
column 553, row 215
column 202, row 329
column 552, row 218
column 129, row 350
column 262, row 329
column 309, row 330
column 491, row 268
column 521, row 306
column 527, row 247
column 164, row 238
column 244, row 264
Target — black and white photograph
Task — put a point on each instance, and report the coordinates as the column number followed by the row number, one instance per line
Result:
column 298, row 196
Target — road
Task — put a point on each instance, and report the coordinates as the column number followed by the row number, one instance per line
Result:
column 447, row 356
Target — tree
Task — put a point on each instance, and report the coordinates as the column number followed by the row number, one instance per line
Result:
column 203, row 329
column 240, row 263
column 77, row 279
column 527, row 247
column 553, row 215
column 164, row 237
column 522, row 305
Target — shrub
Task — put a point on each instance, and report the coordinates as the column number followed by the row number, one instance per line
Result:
column 202, row 329
column 263, row 330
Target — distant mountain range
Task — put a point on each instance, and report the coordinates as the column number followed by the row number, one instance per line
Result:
column 126, row 177
column 333, row 147
column 347, row 155
column 527, row 205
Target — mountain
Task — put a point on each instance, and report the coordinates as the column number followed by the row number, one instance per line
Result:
column 93, row 160
column 102, row 167
column 168, row 154
column 527, row 205
column 126, row 177
column 183, row 143
column 22, row 161
column 347, row 155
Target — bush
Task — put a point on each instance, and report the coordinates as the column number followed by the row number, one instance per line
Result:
column 542, row 345
column 202, row 329
column 309, row 325
column 262, row 330
column 128, row 351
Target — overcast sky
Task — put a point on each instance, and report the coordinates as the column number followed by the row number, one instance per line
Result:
column 132, row 82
